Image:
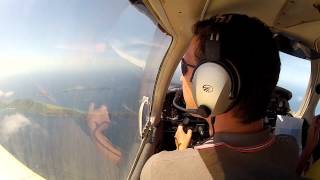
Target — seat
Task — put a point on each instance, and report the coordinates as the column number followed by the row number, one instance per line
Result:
column 290, row 126
column 280, row 118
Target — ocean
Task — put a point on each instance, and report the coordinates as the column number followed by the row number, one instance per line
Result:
column 43, row 121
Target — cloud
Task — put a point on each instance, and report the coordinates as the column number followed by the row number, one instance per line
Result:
column 24, row 63
column 11, row 124
column 6, row 94
column 9, row 94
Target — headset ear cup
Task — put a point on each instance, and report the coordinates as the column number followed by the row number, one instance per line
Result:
column 211, row 87
column 235, row 79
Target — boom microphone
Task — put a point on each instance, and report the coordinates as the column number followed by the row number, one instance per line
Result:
column 202, row 111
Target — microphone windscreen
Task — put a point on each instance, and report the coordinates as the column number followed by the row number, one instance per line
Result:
column 204, row 111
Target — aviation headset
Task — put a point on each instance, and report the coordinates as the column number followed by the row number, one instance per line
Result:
column 215, row 81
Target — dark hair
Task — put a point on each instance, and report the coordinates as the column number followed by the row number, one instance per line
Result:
column 248, row 44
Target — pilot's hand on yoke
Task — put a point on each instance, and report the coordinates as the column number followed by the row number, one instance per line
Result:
column 182, row 139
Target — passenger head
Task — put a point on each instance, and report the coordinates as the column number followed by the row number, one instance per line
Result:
column 249, row 45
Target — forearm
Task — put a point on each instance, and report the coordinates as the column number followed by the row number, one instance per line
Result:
column 106, row 147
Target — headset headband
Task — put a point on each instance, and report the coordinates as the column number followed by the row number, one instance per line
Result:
column 212, row 57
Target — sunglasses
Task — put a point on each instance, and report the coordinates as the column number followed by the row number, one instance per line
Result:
column 184, row 66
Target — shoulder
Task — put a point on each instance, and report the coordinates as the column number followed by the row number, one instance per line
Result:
column 174, row 155
column 169, row 158
column 170, row 164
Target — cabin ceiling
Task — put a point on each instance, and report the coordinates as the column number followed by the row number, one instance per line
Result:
column 297, row 18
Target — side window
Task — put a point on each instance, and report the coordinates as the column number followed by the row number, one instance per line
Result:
column 175, row 81
column 72, row 78
column 294, row 76
column 317, row 111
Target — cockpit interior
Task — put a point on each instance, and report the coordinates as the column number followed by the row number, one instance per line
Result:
column 91, row 89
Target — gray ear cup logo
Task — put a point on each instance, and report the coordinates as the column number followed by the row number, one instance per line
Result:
column 207, row 88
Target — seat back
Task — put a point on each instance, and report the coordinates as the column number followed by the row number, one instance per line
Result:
column 290, row 126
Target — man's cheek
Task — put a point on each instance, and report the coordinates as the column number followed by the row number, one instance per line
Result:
column 190, row 103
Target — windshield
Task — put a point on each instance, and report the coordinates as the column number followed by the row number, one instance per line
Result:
column 73, row 74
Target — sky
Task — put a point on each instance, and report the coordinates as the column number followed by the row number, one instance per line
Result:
column 38, row 34
column 43, row 35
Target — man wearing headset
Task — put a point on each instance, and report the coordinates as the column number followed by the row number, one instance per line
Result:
column 229, row 71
